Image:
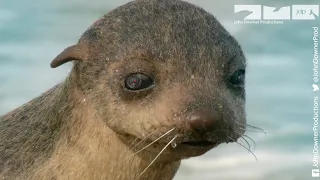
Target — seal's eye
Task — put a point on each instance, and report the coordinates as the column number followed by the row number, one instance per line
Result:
column 138, row 81
column 238, row 77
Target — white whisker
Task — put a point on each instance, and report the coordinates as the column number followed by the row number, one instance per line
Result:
column 158, row 155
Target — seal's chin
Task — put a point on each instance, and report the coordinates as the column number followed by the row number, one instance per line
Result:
column 193, row 147
column 187, row 149
column 173, row 149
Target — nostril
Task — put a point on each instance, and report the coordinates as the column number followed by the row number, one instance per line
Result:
column 203, row 119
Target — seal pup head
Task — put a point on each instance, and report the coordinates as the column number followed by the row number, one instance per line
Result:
column 165, row 72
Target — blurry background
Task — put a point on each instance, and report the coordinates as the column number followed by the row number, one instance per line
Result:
column 279, row 79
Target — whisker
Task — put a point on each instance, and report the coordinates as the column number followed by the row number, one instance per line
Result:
column 248, row 150
column 158, row 155
column 144, row 139
column 255, row 131
column 249, row 146
column 154, row 141
column 254, row 143
column 253, row 128
column 133, row 142
column 150, row 143
column 257, row 128
column 249, row 130
column 131, row 155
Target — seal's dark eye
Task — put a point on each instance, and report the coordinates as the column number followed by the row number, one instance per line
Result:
column 238, row 77
column 138, row 81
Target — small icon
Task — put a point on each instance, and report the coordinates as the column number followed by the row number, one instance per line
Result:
column 281, row 14
column 315, row 87
column 305, row 12
column 315, row 173
column 254, row 9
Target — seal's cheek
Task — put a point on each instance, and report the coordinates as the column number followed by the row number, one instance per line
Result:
column 152, row 115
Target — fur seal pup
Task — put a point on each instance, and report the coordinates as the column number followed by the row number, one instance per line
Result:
column 153, row 82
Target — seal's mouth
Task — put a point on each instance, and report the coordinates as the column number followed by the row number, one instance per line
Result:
column 202, row 143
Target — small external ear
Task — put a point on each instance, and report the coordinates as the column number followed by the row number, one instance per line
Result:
column 78, row 52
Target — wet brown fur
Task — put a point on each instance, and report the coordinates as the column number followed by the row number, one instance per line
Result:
column 86, row 127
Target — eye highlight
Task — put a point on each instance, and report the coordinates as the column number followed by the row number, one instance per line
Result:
column 237, row 79
column 138, row 81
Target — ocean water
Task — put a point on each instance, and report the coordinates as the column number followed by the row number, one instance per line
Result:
column 279, row 79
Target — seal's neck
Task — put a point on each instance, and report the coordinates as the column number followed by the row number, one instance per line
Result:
column 89, row 149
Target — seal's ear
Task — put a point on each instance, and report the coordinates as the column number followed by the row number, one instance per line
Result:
column 77, row 52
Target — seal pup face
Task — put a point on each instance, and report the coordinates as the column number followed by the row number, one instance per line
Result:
column 165, row 72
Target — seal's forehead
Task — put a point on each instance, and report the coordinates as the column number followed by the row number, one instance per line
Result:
column 168, row 29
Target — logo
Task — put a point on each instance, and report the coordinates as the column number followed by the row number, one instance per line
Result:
column 259, row 14
column 315, row 173
column 305, row 12
column 254, row 9
column 315, row 87
column 270, row 13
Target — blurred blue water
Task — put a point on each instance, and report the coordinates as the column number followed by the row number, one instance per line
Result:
column 279, row 93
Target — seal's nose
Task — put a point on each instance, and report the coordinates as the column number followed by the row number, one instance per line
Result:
column 203, row 119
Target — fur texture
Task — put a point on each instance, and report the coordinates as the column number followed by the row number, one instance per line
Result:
column 87, row 126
